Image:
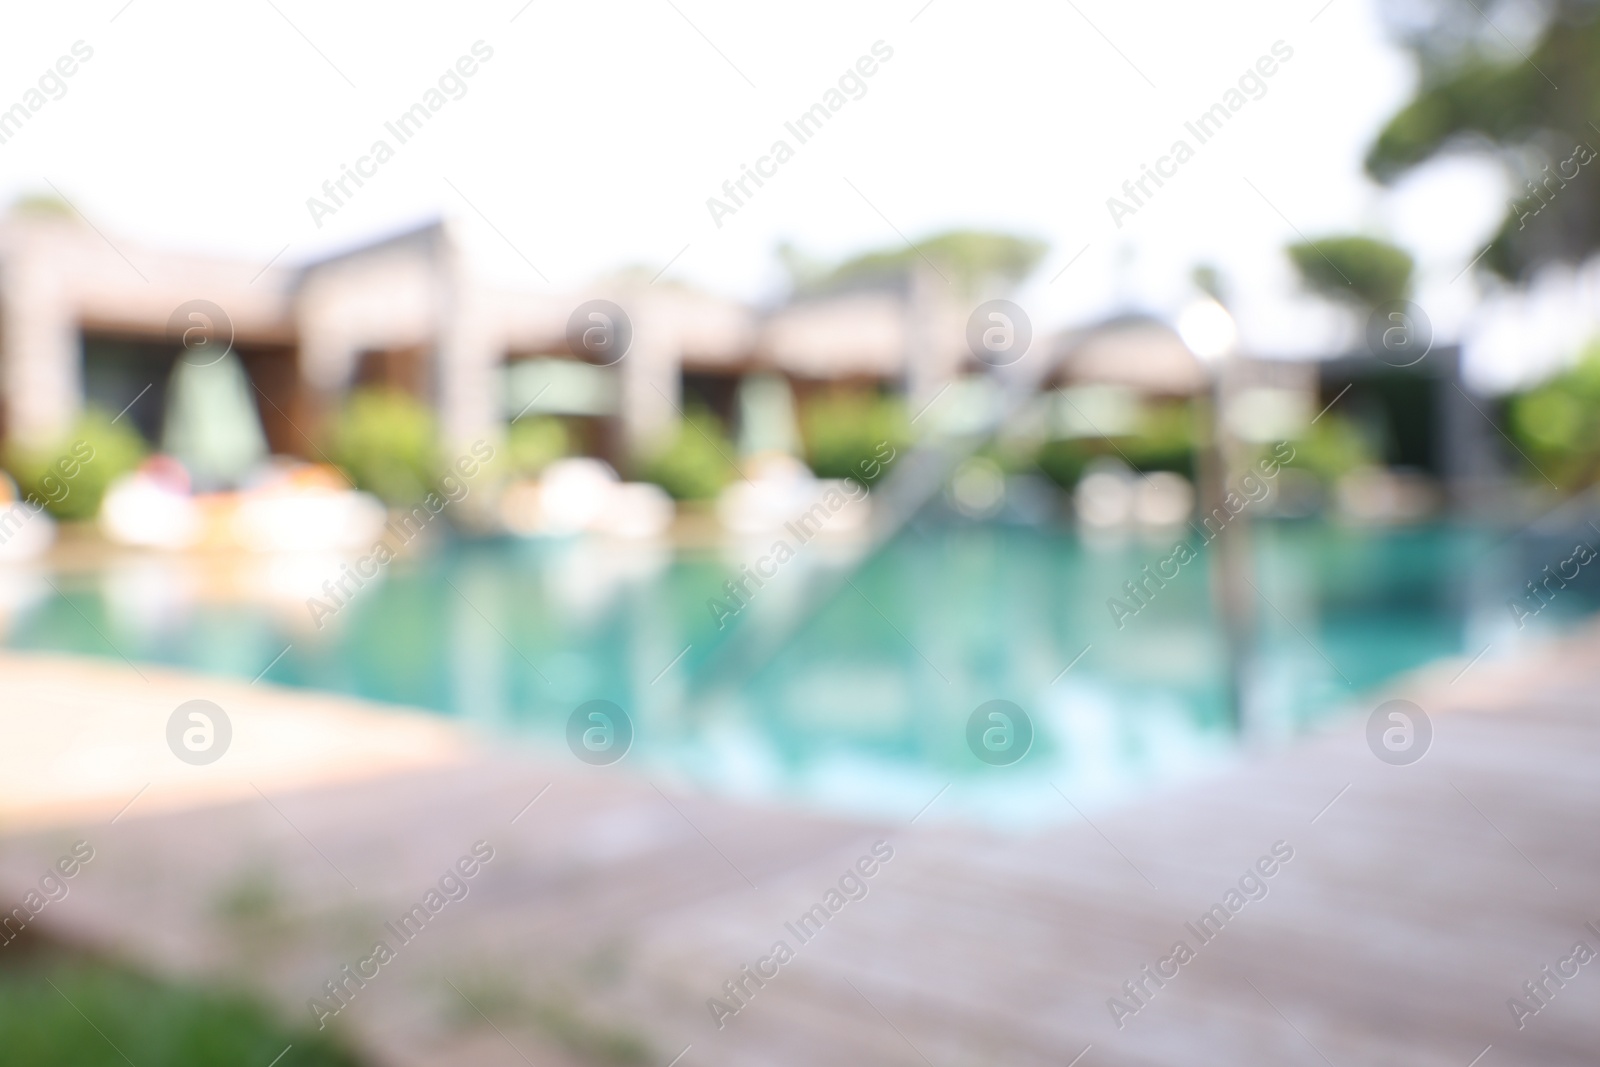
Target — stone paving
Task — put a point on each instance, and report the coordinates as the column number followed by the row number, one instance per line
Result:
column 620, row 921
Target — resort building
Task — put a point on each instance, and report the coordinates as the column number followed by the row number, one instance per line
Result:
column 90, row 319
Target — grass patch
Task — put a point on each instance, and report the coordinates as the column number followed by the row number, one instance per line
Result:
column 557, row 1017
column 58, row 1009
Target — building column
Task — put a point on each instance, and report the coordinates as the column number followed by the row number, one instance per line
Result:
column 932, row 360
column 651, row 380
column 469, row 352
column 41, row 361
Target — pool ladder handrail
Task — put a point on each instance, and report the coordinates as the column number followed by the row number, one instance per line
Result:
column 912, row 482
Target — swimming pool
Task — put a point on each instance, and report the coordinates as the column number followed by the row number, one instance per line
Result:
column 863, row 708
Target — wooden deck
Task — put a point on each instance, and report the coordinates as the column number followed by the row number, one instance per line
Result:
column 1415, row 904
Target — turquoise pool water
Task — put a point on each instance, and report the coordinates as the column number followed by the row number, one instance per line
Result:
column 864, row 707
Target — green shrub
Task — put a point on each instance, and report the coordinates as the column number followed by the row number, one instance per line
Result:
column 47, row 1006
column 71, row 475
column 1333, row 447
column 535, row 442
column 696, row 463
column 1062, row 460
column 844, row 434
column 1165, row 441
column 1557, row 424
column 386, row 441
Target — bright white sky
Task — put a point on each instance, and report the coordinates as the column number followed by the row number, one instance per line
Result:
column 593, row 137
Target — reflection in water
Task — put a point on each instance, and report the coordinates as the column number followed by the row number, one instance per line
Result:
column 865, row 708
column 20, row 591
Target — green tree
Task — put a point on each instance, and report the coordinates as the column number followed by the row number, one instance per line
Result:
column 972, row 261
column 1353, row 270
column 1481, row 92
column 42, row 206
